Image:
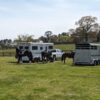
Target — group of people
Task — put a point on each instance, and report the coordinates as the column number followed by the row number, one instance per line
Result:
column 45, row 56
column 20, row 54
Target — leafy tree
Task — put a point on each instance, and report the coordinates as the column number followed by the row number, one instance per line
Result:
column 42, row 38
column 24, row 38
column 85, row 26
column 48, row 34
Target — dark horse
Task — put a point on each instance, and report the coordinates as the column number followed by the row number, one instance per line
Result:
column 46, row 56
column 67, row 55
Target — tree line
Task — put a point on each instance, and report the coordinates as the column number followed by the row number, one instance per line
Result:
column 87, row 30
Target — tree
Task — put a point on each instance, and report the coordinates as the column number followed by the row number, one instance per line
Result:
column 48, row 34
column 42, row 38
column 85, row 26
column 24, row 38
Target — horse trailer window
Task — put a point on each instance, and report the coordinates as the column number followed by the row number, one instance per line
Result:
column 41, row 48
column 50, row 47
column 34, row 47
column 83, row 46
column 20, row 47
column 94, row 47
column 26, row 47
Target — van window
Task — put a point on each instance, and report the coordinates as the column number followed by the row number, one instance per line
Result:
column 20, row 47
column 34, row 47
column 26, row 47
column 50, row 47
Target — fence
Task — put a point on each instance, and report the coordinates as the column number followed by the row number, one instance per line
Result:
column 9, row 54
column 2, row 54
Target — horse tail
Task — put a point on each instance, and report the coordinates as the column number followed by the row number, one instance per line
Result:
column 62, row 57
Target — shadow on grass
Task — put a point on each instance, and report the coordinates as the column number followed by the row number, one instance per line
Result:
column 16, row 63
column 12, row 62
column 81, row 65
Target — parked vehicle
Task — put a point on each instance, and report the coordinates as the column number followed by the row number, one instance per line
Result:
column 34, row 48
column 56, row 53
column 88, row 53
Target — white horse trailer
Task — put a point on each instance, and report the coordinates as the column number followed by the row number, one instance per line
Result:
column 35, row 48
column 88, row 54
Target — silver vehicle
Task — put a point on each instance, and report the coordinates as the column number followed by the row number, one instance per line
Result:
column 56, row 53
column 88, row 53
column 34, row 48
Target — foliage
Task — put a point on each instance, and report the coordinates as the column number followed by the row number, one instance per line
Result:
column 65, row 47
column 24, row 38
column 48, row 34
column 86, row 26
column 87, row 30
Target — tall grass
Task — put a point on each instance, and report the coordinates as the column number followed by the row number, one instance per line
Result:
column 50, row 81
column 65, row 46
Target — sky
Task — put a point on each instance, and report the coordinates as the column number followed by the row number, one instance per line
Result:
column 35, row 17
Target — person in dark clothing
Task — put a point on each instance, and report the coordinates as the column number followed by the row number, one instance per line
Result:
column 17, row 53
column 20, row 56
column 30, row 56
column 50, row 58
column 44, row 56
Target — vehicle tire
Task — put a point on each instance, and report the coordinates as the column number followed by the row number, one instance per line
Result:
column 54, row 57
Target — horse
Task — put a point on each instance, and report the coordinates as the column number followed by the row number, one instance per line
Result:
column 29, row 55
column 46, row 56
column 67, row 55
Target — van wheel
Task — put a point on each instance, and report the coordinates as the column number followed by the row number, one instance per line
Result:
column 54, row 57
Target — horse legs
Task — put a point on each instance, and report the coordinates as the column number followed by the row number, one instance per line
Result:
column 64, row 60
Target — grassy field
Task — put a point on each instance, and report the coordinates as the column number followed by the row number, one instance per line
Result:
column 50, row 81
column 65, row 46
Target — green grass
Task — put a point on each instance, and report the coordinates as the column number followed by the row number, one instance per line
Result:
column 65, row 46
column 7, row 50
column 50, row 81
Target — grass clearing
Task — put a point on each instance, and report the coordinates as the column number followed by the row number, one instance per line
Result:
column 50, row 81
column 65, row 46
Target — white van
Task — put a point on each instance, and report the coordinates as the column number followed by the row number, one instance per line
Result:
column 88, row 53
column 35, row 48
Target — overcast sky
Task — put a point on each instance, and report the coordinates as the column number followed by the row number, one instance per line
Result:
column 34, row 17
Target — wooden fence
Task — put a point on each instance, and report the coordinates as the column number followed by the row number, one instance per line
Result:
column 2, row 54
